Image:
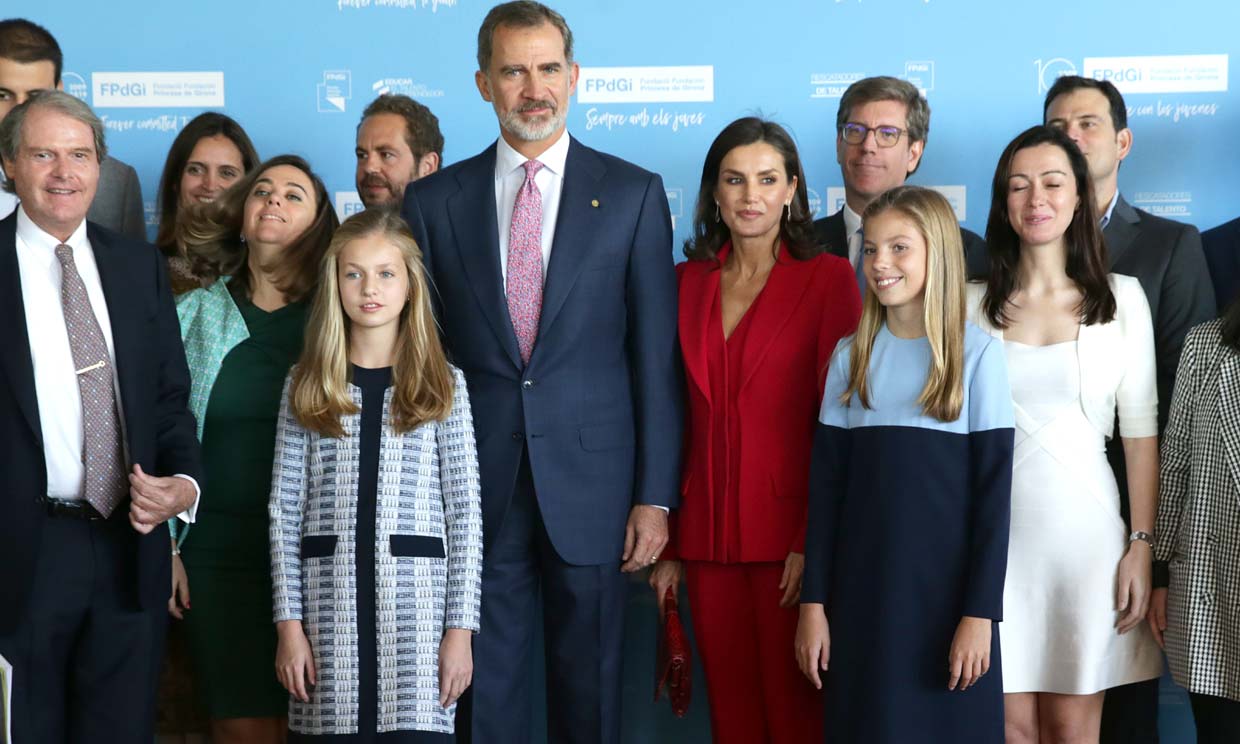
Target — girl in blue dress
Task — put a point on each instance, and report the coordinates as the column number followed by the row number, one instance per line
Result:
column 909, row 498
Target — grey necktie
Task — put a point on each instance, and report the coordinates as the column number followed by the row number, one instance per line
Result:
column 106, row 483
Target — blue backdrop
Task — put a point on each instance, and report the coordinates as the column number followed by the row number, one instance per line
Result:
column 661, row 78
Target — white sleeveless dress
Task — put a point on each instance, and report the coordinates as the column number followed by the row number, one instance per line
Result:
column 1067, row 538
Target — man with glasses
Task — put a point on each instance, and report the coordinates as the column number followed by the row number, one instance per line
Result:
column 880, row 135
column 1166, row 257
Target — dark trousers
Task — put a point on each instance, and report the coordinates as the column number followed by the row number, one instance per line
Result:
column 1130, row 714
column 1217, row 719
column 583, row 627
column 82, row 656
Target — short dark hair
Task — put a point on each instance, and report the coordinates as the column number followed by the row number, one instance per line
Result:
column 886, row 88
column 1086, row 250
column 1072, row 83
column 796, row 226
column 211, row 234
column 520, row 14
column 24, row 41
column 421, row 126
column 202, row 126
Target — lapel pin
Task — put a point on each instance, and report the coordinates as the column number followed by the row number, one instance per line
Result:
column 594, row 203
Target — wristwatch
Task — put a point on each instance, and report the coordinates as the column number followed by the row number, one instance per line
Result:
column 1144, row 537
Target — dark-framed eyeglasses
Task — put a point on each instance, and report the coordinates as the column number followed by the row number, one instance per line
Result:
column 884, row 136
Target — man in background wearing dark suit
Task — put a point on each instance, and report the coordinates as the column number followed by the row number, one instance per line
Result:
column 1166, row 257
column 552, row 264
column 880, row 136
column 1222, row 248
column 30, row 60
column 398, row 142
column 99, row 444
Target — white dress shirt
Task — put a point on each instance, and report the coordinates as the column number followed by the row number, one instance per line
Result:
column 510, row 176
column 8, row 202
column 852, row 228
column 55, row 379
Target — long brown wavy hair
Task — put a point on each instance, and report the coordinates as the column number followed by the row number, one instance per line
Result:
column 422, row 380
column 1086, row 263
column 211, row 233
column 796, row 225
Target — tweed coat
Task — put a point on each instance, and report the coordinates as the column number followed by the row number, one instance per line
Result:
column 428, row 553
column 1198, row 527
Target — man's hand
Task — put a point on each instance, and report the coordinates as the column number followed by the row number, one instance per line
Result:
column 645, row 536
column 156, row 500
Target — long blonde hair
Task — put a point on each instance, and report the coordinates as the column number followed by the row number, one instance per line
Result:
column 422, row 381
column 943, row 395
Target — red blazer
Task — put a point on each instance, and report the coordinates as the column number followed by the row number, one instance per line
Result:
column 806, row 307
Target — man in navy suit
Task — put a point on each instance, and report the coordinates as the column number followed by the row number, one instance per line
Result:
column 1222, row 249
column 881, row 129
column 557, row 298
column 99, row 444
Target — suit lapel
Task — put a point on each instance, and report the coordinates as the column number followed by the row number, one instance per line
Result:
column 124, row 314
column 581, row 215
column 16, row 361
column 1121, row 231
column 472, row 213
column 1229, row 405
column 699, row 286
column 835, row 234
column 784, row 290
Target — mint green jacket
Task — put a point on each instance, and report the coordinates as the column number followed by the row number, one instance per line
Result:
column 211, row 326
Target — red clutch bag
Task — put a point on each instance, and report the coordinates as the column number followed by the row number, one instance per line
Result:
column 673, row 669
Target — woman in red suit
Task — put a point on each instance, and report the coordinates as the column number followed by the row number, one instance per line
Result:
column 761, row 310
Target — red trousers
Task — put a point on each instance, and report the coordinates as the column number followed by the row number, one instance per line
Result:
column 745, row 641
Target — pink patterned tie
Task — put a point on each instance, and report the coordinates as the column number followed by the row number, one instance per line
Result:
column 106, row 483
column 525, row 277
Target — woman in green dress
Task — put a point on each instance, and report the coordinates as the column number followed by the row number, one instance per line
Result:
column 262, row 242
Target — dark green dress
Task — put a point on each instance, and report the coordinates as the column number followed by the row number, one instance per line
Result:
column 227, row 555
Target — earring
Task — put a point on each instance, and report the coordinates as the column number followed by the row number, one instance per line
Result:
column 718, row 217
column 788, row 211
column 241, row 238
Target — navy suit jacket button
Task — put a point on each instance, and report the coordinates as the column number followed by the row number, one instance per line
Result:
column 527, row 384
column 517, row 436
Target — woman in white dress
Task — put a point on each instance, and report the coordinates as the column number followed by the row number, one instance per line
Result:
column 1079, row 343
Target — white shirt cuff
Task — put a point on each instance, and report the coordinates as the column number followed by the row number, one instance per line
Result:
column 189, row 515
column 664, row 508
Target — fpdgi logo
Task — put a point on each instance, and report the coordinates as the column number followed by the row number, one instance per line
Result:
column 1051, row 70
column 335, row 90
column 75, row 85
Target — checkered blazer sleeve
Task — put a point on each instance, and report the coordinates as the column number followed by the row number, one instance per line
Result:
column 462, row 506
column 289, row 482
column 1176, row 455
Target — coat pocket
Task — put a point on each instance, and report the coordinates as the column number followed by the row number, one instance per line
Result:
column 317, row 546
column 417, row 546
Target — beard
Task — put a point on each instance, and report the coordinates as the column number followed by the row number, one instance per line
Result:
column 532, row 131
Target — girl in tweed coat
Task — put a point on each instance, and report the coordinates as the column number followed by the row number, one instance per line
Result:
column 1195, row 612
column 376, row 523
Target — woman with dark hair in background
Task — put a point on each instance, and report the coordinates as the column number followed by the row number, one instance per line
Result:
column 761, row 310
column 1195, row 613
column 211, row 153
column 1079, row 343
column 259, row 244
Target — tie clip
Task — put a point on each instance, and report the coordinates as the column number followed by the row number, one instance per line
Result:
column 84, row 370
